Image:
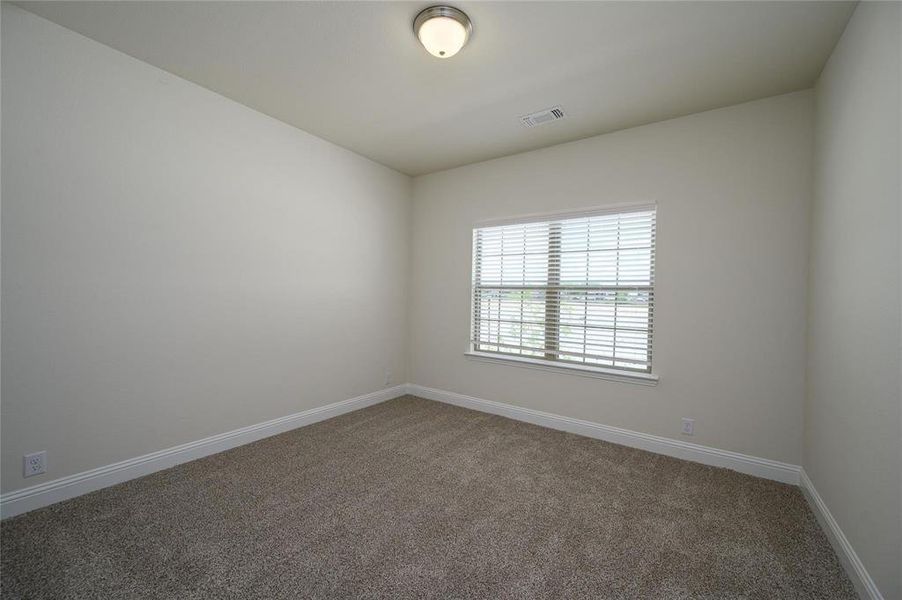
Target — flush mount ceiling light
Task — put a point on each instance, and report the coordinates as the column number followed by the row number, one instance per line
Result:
column 443, row 30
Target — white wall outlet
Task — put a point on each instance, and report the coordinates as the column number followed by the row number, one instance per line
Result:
column 35, row 463
column 387, row 377
column 688, row 426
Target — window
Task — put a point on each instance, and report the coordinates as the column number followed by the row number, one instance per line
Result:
column 569, row 290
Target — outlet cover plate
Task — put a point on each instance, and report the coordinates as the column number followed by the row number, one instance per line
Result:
column 688, row 426
column 35, row 463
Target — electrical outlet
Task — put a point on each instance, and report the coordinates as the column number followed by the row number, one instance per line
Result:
column 688, row 426
column 387, row 377
column 35, row 463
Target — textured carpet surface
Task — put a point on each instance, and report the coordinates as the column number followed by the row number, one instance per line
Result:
column 416, row 499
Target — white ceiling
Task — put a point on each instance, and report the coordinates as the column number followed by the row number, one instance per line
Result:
column 353, row 72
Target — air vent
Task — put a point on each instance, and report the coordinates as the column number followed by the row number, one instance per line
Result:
column 555, row 113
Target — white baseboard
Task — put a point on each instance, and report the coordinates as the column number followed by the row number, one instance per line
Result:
column 51, row 492
column 861, row 579
column 751, row 465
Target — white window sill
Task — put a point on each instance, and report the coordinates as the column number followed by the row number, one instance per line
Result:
column 572, row 369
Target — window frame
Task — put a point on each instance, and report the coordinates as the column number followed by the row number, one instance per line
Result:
column 549, row 364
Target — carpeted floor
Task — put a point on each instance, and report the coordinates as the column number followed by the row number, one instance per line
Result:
column 416, row 499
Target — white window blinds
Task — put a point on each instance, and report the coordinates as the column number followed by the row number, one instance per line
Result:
column 571, row 289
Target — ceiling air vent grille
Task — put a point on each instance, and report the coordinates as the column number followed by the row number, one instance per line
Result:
column 555, row 113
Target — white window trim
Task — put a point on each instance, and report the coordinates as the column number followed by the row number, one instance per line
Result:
column 564, row 367
column 595, row 372
column 574, row 213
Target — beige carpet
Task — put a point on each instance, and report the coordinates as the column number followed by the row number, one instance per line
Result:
column 415, row 499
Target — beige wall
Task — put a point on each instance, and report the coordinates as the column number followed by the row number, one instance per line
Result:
column 733, row 188
column 852, row 450
column 176, row 265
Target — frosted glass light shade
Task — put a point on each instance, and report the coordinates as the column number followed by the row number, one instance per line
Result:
column 442, row 30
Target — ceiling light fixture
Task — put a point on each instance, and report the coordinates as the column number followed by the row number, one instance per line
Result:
column 443, row 30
